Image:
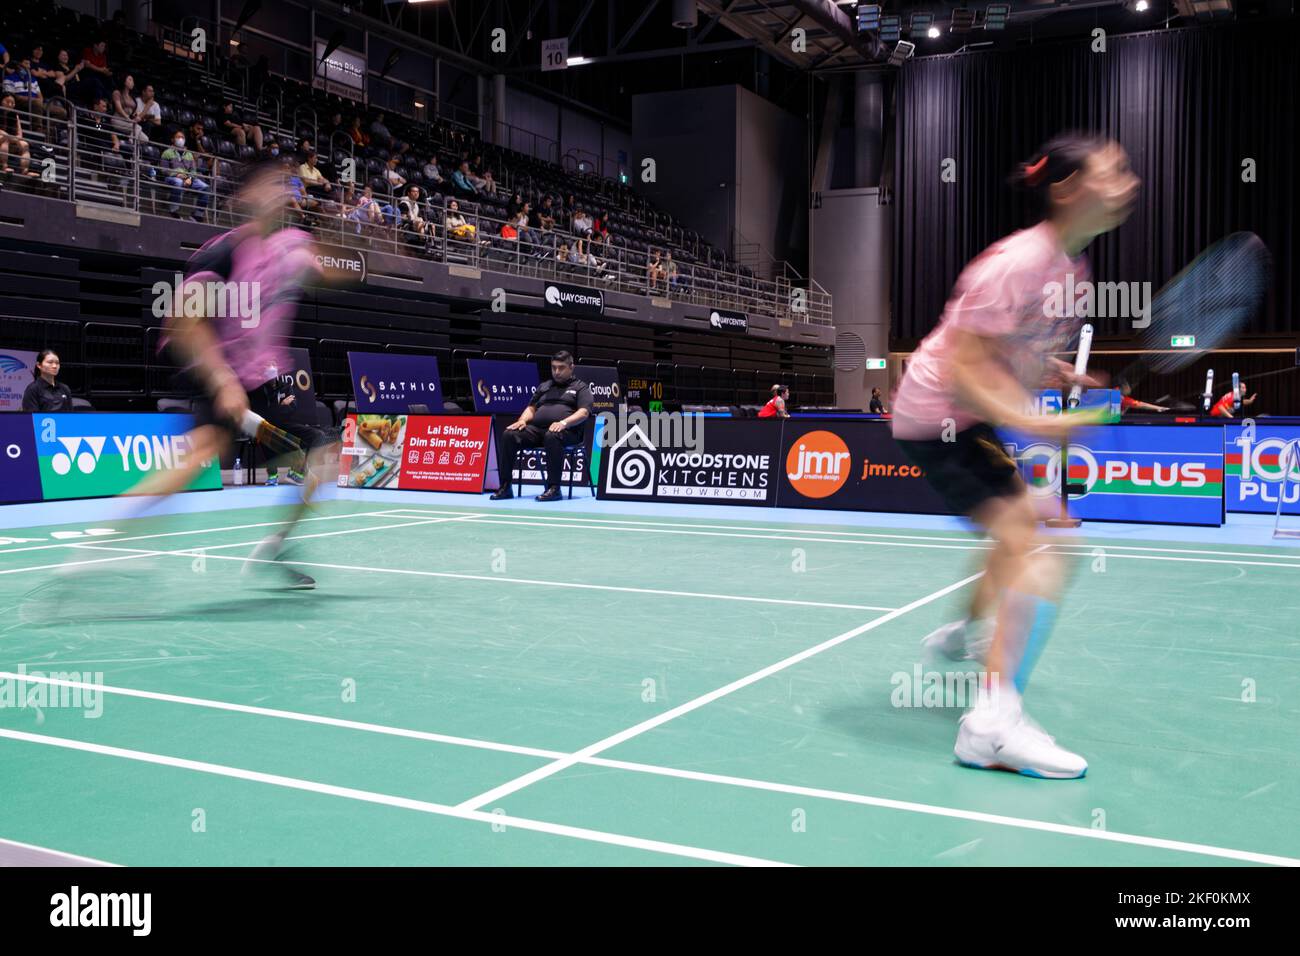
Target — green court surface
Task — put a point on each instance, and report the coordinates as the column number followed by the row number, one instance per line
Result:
column 487, row 687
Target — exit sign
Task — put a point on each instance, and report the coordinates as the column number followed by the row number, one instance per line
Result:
column 875, row 364
column 1183, row 342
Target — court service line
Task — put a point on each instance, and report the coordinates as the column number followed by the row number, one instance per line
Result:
column 194, row 552
column 541, row 773
column 176, row 534
column 695, row 775
column 404, row 803
column 453, row 575
column 17, row 853
column 856, row 537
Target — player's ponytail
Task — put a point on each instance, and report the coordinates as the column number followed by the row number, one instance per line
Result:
column 1054, row 162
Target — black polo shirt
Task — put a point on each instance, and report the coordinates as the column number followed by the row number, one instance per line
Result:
column 43, row 397
column 552, row 402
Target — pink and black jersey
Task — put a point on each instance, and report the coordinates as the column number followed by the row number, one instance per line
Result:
column 1002, row 296
column 255, row 283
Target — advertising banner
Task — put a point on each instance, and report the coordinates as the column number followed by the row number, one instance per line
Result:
column 386, row 383
column 854, row 466
column 20, row 480
column 737, row 465
column 1253, row 461
column 97, row 455
column 15, row 375
column 502, row 386
column 606, row 391
column 416, row 452
column 1147, row 473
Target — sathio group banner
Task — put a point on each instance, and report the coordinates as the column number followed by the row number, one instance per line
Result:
column 1253, row 464
column 501, row 386
column 418, row 453
column 1130, row 472
column 94, row 455
column 390, row 383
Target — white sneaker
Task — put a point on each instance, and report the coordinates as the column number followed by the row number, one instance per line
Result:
column 960, row 641
column 1013, row 742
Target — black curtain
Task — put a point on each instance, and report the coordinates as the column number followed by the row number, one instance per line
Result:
column 1189, row 105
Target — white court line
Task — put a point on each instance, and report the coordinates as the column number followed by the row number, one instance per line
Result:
column 700, row 776
column 855, row 537
column 176, row 534
column 541, row 773
column 745, row 782
column 404, row 803
column 46, row 851
column 626, row 589
column 194, row 552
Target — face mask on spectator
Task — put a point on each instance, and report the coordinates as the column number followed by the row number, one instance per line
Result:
column 179, row 142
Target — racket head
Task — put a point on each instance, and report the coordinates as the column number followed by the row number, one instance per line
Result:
column 1212, row 298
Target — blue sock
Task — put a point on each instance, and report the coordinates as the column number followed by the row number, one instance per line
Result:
column 1042, row 615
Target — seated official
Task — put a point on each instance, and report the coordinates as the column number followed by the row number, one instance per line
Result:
column 556, row 416
column 46, row 394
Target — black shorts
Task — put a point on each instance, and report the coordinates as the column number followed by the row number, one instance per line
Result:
column 969, row 470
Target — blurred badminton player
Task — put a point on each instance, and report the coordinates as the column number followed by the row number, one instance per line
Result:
column 994, row 342
column 224, row 358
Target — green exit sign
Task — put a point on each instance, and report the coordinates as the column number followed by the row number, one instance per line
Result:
column 1183, row 341
column 875, row 364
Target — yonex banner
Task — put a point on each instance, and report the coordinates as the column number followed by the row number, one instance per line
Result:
column 573, row 299
column 387, row 383
column 606, row 392
column 96, row 455
column 15, row 375
column 19, row 478
column 1146, row 473
column 1254, row 456
column 854, row 466
column 1048, row 401
column 502, row 386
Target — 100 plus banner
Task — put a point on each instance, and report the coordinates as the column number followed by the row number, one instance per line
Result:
column 96, row 455
column 1255, row 457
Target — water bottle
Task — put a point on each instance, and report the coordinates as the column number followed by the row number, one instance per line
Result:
column 239, row 472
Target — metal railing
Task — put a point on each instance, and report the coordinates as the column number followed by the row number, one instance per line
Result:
column 97, row 159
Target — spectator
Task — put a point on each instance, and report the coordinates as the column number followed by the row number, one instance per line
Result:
column 877, row 406
column 4, row 56
column 370, row 211
column 147, row 115
column 775, row 407
column 600, row 231
column 514, row 205
column 489, row 184
column 546, row 215
column 456, row 224
column 198, row 137
column 392, row 177
column 359, row 136
column 670, row 270
column 237, row 127
column 413, row 221
column 460, row 179
column 46, row 394
column 556, row 416
column 432, row 173
column 124, row 108
column 654, row 270
column 11, row 138
column 96, row 77
column 562, row 253
column 47, row 77
column 336, row 125
column 299, row 200
column 313, row 178
column 67, row 78
column 180, row 171
column 101, row 150
column 581, row 228
column 537, row 234
column 24, row 88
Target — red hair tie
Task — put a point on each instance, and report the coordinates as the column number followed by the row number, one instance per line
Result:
column 1034, row 172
